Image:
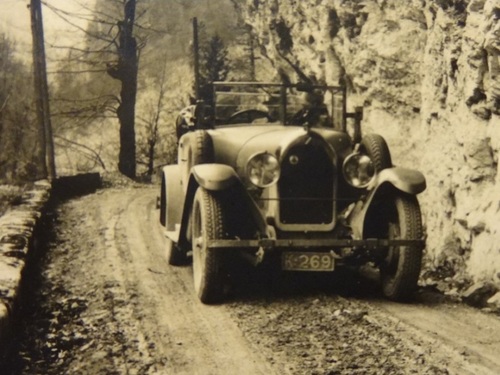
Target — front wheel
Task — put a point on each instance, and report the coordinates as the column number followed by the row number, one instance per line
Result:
column 208, row 223
column 401, row 267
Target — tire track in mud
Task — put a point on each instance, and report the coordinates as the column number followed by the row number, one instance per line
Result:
column 111, row 304
column 194, row 338
column 307, row 333
column 369, row 336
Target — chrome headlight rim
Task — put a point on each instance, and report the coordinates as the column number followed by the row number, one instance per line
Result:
column 359, row 170
column 263, row 169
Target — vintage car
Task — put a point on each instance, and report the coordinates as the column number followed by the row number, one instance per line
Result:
column 282, row 173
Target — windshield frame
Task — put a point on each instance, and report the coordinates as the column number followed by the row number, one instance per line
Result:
column 333, row 99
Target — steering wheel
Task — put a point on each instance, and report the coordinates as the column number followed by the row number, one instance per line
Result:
column 247, row 115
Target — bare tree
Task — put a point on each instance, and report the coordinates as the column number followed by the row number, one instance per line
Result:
column 19, row 145
column 116, row 37
column 152, row 125
column 110, row 47
column 125, row 70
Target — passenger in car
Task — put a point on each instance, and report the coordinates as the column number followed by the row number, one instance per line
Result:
column 185, row 121
column 273, row 105
column 314, row 111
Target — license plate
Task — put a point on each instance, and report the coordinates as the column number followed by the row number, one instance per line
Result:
column 307, row 261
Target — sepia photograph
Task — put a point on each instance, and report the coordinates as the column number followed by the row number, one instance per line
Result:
column 219, row 187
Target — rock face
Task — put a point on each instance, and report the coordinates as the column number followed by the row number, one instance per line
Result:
column 428, row 75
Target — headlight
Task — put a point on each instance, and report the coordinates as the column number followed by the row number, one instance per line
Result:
column 263, row 169
column 359, row 170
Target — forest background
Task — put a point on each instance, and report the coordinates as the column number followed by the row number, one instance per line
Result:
column 84, row 97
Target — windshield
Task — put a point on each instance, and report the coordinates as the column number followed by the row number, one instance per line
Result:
column 257, row 103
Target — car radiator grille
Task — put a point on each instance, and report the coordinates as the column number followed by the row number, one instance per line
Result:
column 306, row 185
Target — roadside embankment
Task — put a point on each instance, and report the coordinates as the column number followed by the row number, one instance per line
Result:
column 21, row 234
column 17, row 228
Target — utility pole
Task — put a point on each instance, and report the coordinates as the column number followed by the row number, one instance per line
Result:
column 196, row 54
column 253, row 75
column 46, row 152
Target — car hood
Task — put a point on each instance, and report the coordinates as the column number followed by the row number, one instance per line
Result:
column 235, row 145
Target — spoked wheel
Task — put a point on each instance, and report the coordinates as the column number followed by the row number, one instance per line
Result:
column 207, row 224
column 175, row 256
column 401, row 267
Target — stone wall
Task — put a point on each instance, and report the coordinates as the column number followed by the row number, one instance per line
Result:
column 427, row 73
column 16, row 238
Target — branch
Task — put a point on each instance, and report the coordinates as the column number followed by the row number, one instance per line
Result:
column 77, row 71
column 295, row 67
column 111, row 97
column 61, row 14
column 86, row 148
column 95, row 11
column 5, row 103
column 73, row 48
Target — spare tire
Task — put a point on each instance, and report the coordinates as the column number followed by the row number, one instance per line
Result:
column 196, row 148
column 376, row 148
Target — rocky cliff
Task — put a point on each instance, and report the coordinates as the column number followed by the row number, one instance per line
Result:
column 428, row 76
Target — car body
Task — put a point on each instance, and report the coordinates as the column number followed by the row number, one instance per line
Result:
column 283, row 171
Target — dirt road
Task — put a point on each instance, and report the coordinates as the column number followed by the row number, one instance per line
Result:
column 108, row 303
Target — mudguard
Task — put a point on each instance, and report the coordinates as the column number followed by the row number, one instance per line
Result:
column 214, row 176
column 388, row 181
column 407, row 180
column 175, row 206
column 171, row 198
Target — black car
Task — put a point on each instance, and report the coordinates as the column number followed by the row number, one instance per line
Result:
column 275, row 169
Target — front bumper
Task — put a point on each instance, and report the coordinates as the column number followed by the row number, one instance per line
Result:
column 325, row 244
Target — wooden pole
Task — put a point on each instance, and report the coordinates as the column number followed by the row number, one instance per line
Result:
column 41, row 150
column 46, row 150
column 253, row 75
column 196, row 54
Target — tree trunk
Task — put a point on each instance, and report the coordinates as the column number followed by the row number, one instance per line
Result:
column 125, row 70
column 126, row 116
column 151, row 156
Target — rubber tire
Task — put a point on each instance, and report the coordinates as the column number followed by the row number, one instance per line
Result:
column 376, row 148
column 203, row 149
column 175, row 256
column 401, row 269
column 208, row 222
column 200, row 151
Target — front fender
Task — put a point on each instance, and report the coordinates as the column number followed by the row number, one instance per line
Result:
column 389, row 181
column 214, row 176
column 407, row 180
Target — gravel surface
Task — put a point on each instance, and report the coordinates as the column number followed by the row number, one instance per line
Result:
column 102, row 300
